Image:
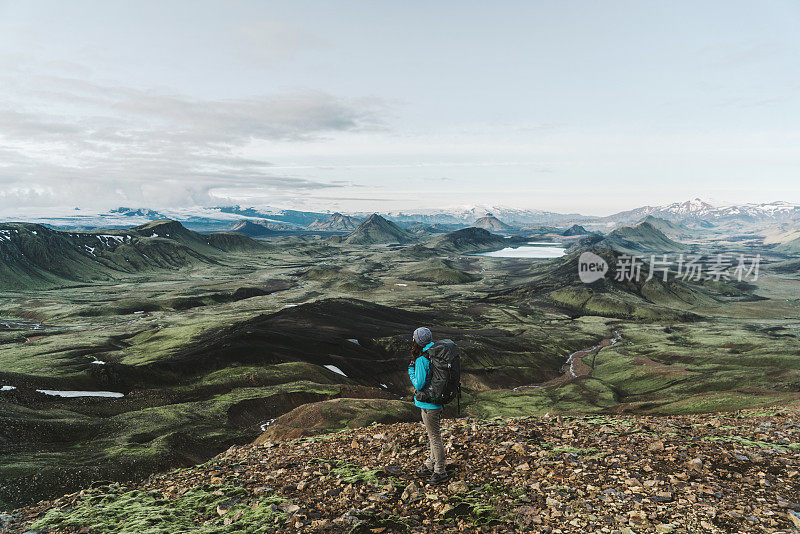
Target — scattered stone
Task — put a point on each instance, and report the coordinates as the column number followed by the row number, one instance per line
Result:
column 411, row 492
column 457, row 487
column 794, row 517
column 611, row 473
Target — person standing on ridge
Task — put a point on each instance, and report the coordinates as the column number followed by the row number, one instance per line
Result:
column 419, row 370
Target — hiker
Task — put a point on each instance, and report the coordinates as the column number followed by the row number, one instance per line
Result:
column 419, row 370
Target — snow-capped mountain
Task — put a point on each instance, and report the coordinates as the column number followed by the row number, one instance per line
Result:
column 694, row 213
column 198, row 218
column 689, row 208
column 777, row 211
column 702, row 213
column 470, row 213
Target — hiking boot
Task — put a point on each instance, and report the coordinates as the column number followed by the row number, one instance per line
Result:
column 424, row 471
column 438, row 478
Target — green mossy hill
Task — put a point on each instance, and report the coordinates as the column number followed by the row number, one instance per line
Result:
column 642, row 237
column 252, row 229
column 148, row 431
column 204, row 243
column 492, row 223
column 438, row 271
column 672, row 230
column 321, row 333
column 790, row 247
column 575, row 229
column 468, row 240
column 338, row 278
column 34, row 256
column 642, row 299
column 377, row 230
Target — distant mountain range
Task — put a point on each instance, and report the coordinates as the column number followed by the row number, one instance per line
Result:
column 467, row 215
column 334, row 223
column 690, row 215
column 252, row 229
column 697, row 212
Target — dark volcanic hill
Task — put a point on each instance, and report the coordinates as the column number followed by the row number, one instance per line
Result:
column 492, row 223
column 575, row 229
column 216, row 389
column 34, row 256
column 321, row 333
column 642, row 237
column 334, row 223
column 377, row 230
column 251, row 229
column 673, row 230
column 468, row 240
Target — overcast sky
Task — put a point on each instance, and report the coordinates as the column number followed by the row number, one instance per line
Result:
column 593, row 106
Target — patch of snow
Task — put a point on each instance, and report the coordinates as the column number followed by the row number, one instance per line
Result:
column 289, row 305
column 334, row 369
column 74, row 394
column 402, row 285
column 99, row 362
column 384, row 386
column 117, row 238
column 265, row 425
column 154, row 235
column 7, row 388
column 138, row 312
column 355, row 341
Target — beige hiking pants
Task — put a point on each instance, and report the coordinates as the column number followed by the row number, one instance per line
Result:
column 432, row 419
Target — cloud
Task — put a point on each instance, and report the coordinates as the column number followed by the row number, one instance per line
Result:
column 68, row 140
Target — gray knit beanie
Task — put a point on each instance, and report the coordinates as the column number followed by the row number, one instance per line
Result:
column 422, row 336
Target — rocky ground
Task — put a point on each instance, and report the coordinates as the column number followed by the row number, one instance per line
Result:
column 708, row 473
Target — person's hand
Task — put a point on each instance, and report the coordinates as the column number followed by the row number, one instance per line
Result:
column 412, row 362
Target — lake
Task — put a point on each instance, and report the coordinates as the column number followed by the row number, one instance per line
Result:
column 531, row 250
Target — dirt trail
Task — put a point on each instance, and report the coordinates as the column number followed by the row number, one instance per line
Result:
column 574, row 366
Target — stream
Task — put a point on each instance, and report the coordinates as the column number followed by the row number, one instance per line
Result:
column 570, row 363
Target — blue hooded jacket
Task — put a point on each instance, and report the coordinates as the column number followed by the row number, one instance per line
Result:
column 419, row 374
